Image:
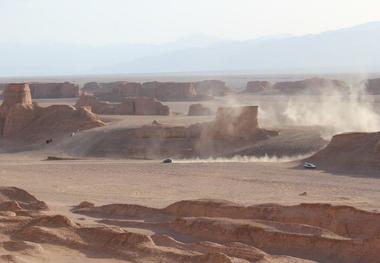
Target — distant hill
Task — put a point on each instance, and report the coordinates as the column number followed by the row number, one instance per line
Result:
column 346, row 50
column 350, row 49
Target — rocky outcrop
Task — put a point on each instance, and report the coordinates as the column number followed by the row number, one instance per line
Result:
column 215, row 232
column 211, row 88
column 147, row 106
column 128, row 106
column 35, row 123
column 50, row 90
column 117, row 91
column 373, row 86
column 126, row 89
column 237, row 123
column 258, row 86
column 309, row 86
column 20, row 199
column 305, row 231
column 231, row 123
column 169, row 91
column 199, row 110
column 350, row 152
column 23, row 120
column 233, row 129
column 96, row 106
column 91, row 87
column 54, row 90
column 15, row 94
column 121, row 88
column 163, row 91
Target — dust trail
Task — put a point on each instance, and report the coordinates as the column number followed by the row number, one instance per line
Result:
column 336, row 110
column 246, row 159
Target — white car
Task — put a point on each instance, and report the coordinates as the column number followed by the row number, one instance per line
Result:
column 307, row 165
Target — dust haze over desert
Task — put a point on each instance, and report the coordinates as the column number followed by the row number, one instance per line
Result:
column 189, row 131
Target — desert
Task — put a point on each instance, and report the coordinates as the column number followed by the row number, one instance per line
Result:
column 204, row 131
column 236, row 190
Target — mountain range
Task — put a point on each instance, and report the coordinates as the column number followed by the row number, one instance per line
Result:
column 352, row 49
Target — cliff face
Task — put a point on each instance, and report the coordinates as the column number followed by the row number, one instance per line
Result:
column 54, row 90
column 147, row 106
column 164, row 91
column 126, row 89
column 167, row 91
column 15, row 94
column 128, row 106
column 121, row 88
column 23, row 120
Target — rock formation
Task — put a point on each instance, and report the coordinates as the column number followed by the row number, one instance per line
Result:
column 231, row 121
column 128, row 106
column 146, row 106
column 350, row 152
column 91, row 87
column 233, row 129
column 26, row 121
column 299, row 232
column 121, row 88
column 215, row 232
column 309, row 86
column 199, row 110
column 163, row 91
column 258, row 86
column 50, row 90
column 17, row 199
column 169, row 91
column 117, row 91
column 237, row 123
column 211, row 88
column 373, row 86
column 54, row 90
column 126, row 89
column 15, row 94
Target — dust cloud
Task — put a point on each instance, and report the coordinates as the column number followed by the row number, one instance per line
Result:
column 335, row 111
column 245, row 159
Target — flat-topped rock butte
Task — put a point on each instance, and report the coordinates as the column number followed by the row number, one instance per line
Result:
column 23, row 120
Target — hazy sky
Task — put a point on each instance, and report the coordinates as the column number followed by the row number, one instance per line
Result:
column 102, row 22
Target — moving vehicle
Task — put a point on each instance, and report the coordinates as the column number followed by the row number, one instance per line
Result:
column 307, row 165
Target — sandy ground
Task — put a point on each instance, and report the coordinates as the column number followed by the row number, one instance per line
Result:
column 65, row 183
